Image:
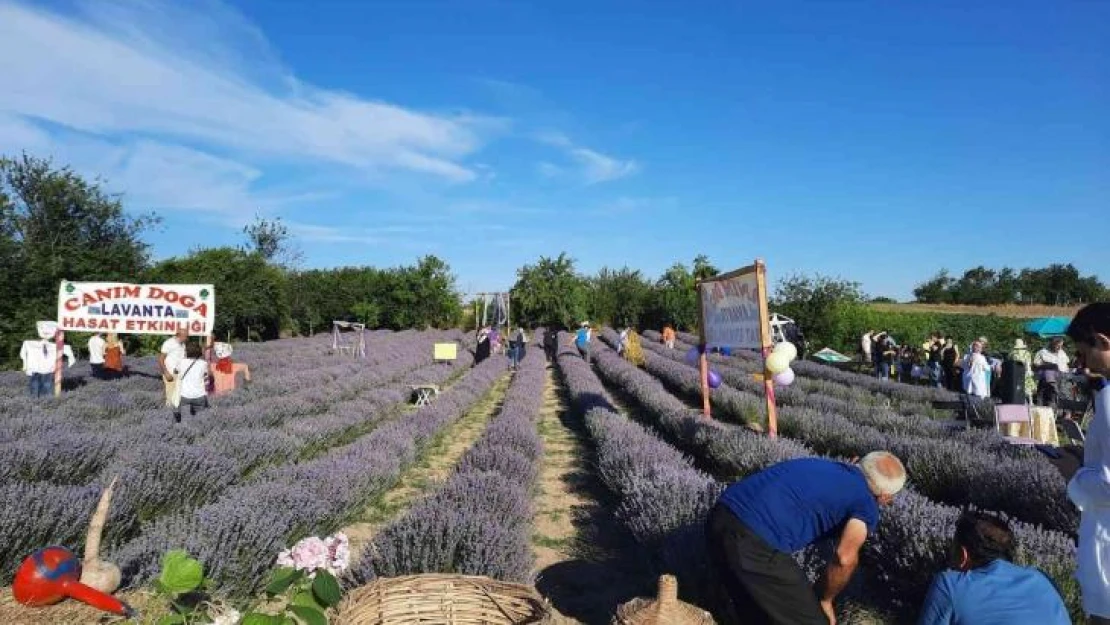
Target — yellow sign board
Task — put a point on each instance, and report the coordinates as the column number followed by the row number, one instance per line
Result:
column 446, row 351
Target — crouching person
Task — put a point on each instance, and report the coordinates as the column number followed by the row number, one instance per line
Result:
column 984, row 587
column 761, row 520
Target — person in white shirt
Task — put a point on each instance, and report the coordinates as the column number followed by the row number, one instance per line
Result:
column 1049, row 363
column 96, row 355
column 191, row 374
column 865, row 347
column 1089, row 488
column 172, row 353
column 975, row 372
column 40, row 357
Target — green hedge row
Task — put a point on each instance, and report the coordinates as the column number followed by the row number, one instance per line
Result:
column 914, row 327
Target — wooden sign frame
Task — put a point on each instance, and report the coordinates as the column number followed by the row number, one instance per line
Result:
column 760, row 271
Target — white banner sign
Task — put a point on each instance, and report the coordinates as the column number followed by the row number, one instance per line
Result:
column 731, row 312
column 137, row 308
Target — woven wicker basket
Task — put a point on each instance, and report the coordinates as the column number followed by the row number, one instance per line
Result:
column 441, row 600
column 664, row 609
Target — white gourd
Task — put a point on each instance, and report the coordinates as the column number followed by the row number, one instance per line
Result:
column 101, row 575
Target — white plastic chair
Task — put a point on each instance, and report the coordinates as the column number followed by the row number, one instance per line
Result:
column 1005, row 414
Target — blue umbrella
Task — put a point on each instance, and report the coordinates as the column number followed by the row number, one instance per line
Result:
column 1045, row 327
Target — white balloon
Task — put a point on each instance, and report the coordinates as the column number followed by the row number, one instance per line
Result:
column 777, row 362
column 786, row 347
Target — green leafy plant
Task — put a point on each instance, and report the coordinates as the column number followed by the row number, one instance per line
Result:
column 182, row 577
column 309, row 596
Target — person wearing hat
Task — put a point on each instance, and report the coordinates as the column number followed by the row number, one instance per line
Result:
column 1020, row 353
column 582, row 341
column 40, row 357
column 224, row 371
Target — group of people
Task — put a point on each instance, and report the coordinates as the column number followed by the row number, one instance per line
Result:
column 761, row 520
column 938, row 362
column 490, row 342
column 191, row 371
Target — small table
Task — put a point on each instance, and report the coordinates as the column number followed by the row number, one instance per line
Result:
column 425, row 393
column 1044, row 427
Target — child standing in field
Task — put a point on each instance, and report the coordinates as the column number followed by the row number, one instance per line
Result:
column 191, row 375
column 668, row 336
column 224, row 372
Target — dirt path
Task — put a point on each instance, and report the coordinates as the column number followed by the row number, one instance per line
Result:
column 586, row 563
column 434, row 465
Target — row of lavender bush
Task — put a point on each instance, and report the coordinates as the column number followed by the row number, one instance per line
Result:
column 164, row 468
column 914, row 534
column 77, row 449
column 478, row 522
column 238, row 535
column 159, row 478
column 959, row 469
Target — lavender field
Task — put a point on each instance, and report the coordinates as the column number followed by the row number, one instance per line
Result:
column 317, row 442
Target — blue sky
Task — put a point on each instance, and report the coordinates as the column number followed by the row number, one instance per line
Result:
column 878, row 141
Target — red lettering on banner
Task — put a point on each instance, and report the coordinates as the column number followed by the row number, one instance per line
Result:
column 172, row 296
column 155, row 293
column 71, row 304
column 188, row 301
column 202, row 310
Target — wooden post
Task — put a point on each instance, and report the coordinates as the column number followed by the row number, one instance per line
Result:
column 765, row 339
column 59, row 347
column 703, row 357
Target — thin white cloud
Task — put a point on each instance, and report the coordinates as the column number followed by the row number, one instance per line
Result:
column 598, row 167
column 593, row 166
column 119, row 71
column 549, row 170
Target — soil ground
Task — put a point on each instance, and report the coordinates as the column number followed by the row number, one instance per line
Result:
column 586, row 563
column 434, row 465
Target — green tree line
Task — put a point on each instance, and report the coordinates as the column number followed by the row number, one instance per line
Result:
column 1055, row 285
column 55, row 225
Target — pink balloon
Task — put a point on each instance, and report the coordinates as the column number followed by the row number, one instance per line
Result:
column 784, row 377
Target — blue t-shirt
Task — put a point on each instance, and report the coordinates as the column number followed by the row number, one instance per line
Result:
column 582, row 337
column 795, row 503
column 1001, row 593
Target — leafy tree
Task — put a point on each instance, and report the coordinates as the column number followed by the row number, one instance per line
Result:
column 936, row 290
column 550, row 293
column 271, row 240
column 673, row 300
column 251, row 295
column 54, row 226
column 619, row 297
column 821, row 305
column 1055, row 285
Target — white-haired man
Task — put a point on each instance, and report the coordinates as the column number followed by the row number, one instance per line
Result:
column 761, row 520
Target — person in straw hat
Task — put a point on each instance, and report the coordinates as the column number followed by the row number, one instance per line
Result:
column 761, row 520
column 224, row 371
column 1020, row 353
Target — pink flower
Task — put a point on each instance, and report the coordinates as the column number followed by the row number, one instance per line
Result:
column 339, row 553
column 333, row 554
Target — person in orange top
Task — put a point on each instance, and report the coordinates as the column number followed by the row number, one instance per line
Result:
column 113, row 357
column 224, row 371
column 668, row 336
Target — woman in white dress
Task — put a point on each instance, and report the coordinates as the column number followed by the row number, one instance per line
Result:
column 975, row 372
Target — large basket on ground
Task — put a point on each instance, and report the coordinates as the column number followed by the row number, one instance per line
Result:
column 664, row 609
column 436, row 599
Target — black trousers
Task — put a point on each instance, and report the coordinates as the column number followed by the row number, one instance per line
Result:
column 765, row 585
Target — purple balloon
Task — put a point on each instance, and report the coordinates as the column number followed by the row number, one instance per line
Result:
column 784, row 377
column 714, row 379
column 692, row 356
